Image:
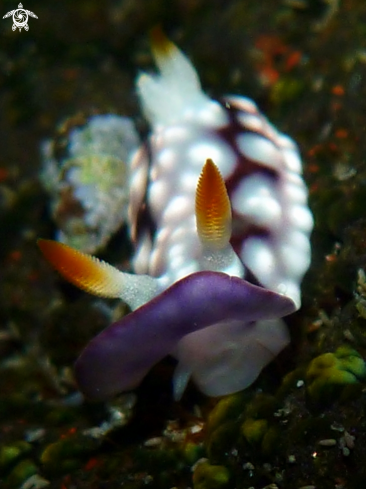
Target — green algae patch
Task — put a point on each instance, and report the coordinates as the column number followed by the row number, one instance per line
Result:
column 272, row 440
column 261, row 406
column 254, row 430
column 21, row 472
column 259, row 428
column 221, row 440
column 286, row 90
column 67, row 454
column 291, row 382
column 12, row 452
column 223, row 426
column 228, row 408
column 239, row 421
column 192, row 452
column 330, row 375
column 207, row 476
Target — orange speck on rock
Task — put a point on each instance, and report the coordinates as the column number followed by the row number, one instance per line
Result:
column 15, row 255
column 313, row 327
column 313, row 168
column 293, row 59
column 338, row 90
column 331, row 258
column 271, row 49
column 336, row 106
column 333, row 147
column 91, row 463
column 70, row 74
column 33, row 276
column 315, row 149
column 268, row 75
column 3, row 174
column 341, row 133
column 66, row 480
column 270, row 44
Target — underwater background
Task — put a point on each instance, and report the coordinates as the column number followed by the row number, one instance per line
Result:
column 302, row 424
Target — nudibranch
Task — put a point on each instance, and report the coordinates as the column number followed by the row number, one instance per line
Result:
column 218, row 211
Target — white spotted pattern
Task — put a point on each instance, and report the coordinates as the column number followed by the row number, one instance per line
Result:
column 271, row 220
column 268, row 196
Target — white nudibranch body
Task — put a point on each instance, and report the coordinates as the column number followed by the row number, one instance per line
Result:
column 261, row 167
column 271, row 221
column 218, row 211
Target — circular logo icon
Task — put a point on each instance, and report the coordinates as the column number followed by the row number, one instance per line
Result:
column 20, row 19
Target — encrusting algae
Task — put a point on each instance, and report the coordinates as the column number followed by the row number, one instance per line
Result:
column 86, row 173
column 329, row 374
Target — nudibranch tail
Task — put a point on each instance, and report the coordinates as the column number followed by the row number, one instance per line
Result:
column 96, row 276
column 213, row 208
column 163, row 49
column 165, row 96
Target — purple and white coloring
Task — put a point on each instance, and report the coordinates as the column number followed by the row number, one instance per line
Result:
column 213, row 300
